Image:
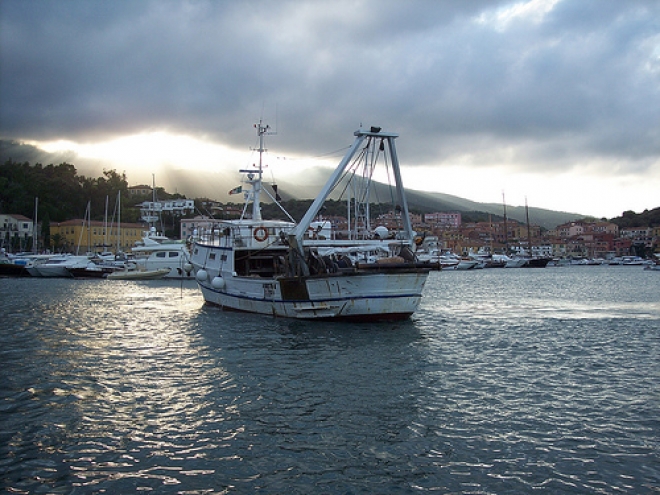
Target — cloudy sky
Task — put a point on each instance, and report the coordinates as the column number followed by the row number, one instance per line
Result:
column 556, row 101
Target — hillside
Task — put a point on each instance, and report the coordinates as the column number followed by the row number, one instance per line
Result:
column 217, row 184
column 425, row 202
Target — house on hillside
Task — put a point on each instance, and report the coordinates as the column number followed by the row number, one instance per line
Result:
column 141, row 190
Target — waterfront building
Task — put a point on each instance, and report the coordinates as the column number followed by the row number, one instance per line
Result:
column 198, row 224
column 86, row 237
column 443, row 220
column 16, row 232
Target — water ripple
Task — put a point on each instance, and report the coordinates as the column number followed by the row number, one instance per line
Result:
column 503, row 382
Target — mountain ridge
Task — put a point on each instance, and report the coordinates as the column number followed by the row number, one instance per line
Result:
column 184, row 182
column 428, row 202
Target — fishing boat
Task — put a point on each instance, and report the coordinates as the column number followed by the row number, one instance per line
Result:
column 301, row 269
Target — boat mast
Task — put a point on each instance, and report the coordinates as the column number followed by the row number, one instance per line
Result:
column 348, row 211
column 529, row 234
column 105, row 226
column 85, row 222
column 401, row 192
column 506, row 228
column 256, row 186
column 254, row 176
column 118, row 250
column 159, row 209
column 35, row 228
column 490, row 228
column 296, row 237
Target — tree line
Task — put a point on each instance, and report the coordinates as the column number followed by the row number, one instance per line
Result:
column 64, row 195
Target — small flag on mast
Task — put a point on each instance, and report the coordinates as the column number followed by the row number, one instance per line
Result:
column 236, row 190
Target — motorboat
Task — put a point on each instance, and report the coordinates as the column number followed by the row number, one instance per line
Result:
column 634, row 261
column 535, row 262
column 527, row 262
column 429, row 252
column 515, row 262
column 157, row 251
column 289, row 268
column 58, row 265
column 11, row 266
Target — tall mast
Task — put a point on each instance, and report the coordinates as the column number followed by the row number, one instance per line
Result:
column 506, row 228
column 35, row 228
column 256, row 185
column 156, row 208
column 254, row 177
column 529, row 233
column 105, row 225
column 118, row 250
column 490, row 228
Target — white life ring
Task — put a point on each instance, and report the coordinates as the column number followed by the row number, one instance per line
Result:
column 260, row 234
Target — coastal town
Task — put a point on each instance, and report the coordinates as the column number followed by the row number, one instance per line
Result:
column 580, row 240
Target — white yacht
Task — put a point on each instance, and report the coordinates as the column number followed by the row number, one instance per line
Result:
column 156, row 252
column 57, row 266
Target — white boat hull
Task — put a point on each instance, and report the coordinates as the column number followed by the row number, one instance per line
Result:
column 176, row 270
column 57, row 266
column 302, row 269
column 47, row 270
column 139, row 274
column 515, row 263
column 363, row 295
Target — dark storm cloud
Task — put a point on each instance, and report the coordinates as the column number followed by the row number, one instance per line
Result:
column 558, row 84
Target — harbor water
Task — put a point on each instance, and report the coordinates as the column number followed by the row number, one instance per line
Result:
column 505, row 381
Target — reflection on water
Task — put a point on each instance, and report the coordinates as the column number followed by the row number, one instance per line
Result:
column 505, row 381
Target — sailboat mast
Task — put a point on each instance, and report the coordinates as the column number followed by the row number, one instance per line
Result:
column 85, row 222
column 529, row 234
column 89, row 227
column 506, row 227
column 105, row 225
column 118, row 250
column 35, row 228
column 155, row 207
column 490, row 228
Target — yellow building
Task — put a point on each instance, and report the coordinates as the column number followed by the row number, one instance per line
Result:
column 83, row 237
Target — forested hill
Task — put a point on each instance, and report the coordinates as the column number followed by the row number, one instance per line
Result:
column 648, row 218
column 63, row 195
